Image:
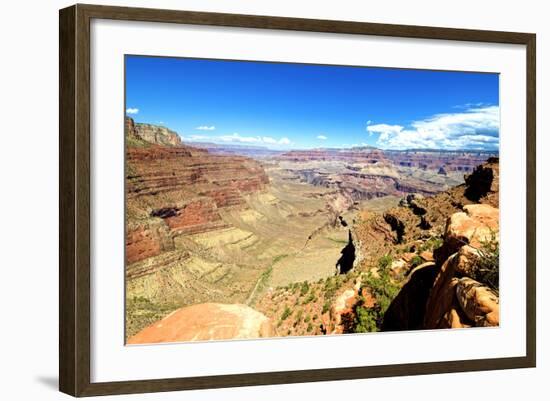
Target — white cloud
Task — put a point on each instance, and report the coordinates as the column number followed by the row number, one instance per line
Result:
column 235, row 137
column 191, row 138
column 322, row 137
column 132, row 110
column 384, row 128
column 369, row 122
column 475, row 128
column 206, row 128
column 260, row 140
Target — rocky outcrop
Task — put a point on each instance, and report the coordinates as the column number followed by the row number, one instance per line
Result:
column 341, row 317
column 444, row 293
column 419, row 216
column 204, row 322
column 150, row 133
column 454, row 291
column 476, row 224
column 484, row 182
column 479, row 303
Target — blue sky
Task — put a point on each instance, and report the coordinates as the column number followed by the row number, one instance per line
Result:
column 299, row 106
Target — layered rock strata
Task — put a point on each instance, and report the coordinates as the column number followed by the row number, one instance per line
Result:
column 180, row 190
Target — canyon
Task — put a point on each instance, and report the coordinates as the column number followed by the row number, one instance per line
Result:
column 248, row 242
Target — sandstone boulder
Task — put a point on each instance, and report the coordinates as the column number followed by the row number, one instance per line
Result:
column 441, row 295
column 203, row 322
column 479, row 303
column 453, row 319
column 478, row 223
column 467, row 257
column 453, row 289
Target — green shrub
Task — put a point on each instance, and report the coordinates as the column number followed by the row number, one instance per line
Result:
column 310, row 298
column 326, row 307
column 384, row 291
column 431, row 244
column 366, row 320
column 299, row 315
column 304, row 289
column 486, row 267
column 416, row 261
column 286, row 313
column 384, row 262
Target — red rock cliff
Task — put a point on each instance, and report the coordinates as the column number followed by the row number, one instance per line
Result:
column 185, row 188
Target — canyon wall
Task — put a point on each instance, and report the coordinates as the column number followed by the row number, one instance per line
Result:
column 185, row 189
column 366, row 172
column 151, row 133
column 441, row 161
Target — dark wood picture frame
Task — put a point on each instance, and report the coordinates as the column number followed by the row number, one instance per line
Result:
column 74, row 199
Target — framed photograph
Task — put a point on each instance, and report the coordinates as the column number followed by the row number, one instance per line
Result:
column 249, row 200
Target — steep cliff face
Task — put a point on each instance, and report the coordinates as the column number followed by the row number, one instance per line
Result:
column 150, row 133
column 183, row 190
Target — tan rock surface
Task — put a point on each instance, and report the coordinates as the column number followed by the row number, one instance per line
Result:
column 209, row 321
column 477, row 224
column 479, row 303
column 427, row 256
